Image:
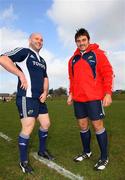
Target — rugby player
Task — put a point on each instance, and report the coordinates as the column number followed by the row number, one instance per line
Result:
column 91, row 79
column 32, row 90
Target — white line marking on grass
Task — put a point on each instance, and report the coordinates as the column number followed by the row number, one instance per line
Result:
column 58, row 168
column 4, row 136
column 50, row 164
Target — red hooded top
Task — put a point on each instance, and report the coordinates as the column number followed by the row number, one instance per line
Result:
column 90, row 74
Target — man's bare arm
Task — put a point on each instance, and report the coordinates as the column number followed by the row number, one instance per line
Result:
column 6, row 63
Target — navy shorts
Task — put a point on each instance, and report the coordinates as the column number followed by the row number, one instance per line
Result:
column 30, row 107
column 91, row 109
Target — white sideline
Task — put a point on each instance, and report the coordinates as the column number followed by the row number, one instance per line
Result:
column 4, row 136
column 58, row 168
column 50, row 164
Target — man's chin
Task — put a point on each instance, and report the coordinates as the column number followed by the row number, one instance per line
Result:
column 38, row 49
column 82, row 49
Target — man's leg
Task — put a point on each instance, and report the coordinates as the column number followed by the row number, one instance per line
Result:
column 102, row 139
column 85, row 134
column 28, row 110
column 81, row 114
column 96, row 114
column 43, row 131
column 23, row 140
column 44, row 121
column 27, row 127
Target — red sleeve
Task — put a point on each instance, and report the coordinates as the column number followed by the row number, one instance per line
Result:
column 70, row 76
column 106, row 71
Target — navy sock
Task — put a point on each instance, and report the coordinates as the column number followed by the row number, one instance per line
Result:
column 43, row 133
column 86, row 137
column 23, row 146
column 103, row 143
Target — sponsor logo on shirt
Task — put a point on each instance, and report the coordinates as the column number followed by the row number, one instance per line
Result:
column 38, row 64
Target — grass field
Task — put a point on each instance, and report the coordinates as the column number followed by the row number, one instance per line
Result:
column 64, row 142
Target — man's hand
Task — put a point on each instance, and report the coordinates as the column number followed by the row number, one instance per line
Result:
column 43, row 97
column 70, row 100
column 107, row 100
column 23, row 80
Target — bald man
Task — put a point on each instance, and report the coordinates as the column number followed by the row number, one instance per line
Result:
column 32, row 91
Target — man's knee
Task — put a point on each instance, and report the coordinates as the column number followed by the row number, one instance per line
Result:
column 27, row 130
column 98, row 125
column 27, row 125
column 45, row 124
column 44, row 121
column 83, row 123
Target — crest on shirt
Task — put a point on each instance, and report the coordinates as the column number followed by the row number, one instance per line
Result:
column 30, row 111
column 90, row 57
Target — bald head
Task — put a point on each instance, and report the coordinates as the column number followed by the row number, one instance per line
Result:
column 36, row 41
column 35, row 34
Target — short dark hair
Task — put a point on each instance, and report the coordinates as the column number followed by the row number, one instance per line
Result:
column 82, row 32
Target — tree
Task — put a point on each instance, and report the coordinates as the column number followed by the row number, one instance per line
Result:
column 51, row 91
column 60, row 91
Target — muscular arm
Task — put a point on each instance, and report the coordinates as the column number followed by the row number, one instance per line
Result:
column 45, row 90
column 9, row 65
column 6, row 63
column 46, row 85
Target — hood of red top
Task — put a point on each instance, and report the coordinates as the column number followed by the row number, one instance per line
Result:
column 90, row 48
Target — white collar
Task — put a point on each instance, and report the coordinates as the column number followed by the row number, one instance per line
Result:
column 37, row 54
column 33, row 51
column 82, row 52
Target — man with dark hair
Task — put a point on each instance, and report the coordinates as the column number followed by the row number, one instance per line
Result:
column 91, row 77
column 82, row 32
column 32, row 91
